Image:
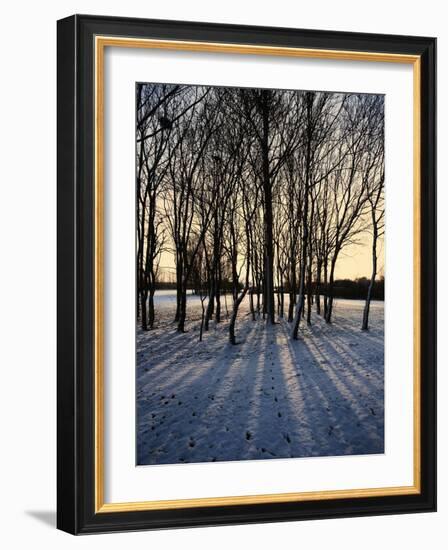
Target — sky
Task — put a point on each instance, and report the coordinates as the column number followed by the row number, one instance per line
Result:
column 356, row 260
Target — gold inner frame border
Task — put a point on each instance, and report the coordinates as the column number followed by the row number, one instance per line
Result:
column 101, row 42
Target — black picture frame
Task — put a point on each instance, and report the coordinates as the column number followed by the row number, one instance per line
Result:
column 76, row 271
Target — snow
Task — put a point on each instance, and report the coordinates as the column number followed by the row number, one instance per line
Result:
column 269, row 396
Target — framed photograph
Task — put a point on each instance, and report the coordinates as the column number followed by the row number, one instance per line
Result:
column 246, row 274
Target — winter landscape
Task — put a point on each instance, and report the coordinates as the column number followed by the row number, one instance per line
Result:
column 260, row 274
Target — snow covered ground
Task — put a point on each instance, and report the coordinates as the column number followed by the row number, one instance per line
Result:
column 269, row 396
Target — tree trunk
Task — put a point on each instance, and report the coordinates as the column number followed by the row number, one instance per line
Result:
column 183, row 309
column 292, row 292
column 151, row 308
column 365, row 317
column 211, row 303
column 325, row 287
column 310, row 265
column 278, row 301
column 218, row 296
column 179, row 276
column 236, row 305
column 201, row 330
column 263, row 296
column 143, row 298
column 310, row 293
column 301, row 302
column 282, row 301
column 267, row 196
column 330, row 291
column 318, row 276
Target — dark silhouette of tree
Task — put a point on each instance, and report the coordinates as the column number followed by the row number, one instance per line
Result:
column 256, row 193
column 376, row 194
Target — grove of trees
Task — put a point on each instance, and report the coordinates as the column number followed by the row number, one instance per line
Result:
column 256, row 193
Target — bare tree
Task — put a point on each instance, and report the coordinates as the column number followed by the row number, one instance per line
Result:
column 350, row 183
column 320, row 136
column 153, row 105
column 255, row 192
column 376, row 195
column 185, row 192
column 226, row 163
column 272, row 116
column 244, row 239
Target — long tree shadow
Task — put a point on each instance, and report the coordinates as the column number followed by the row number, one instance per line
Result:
column 174, row 366
column 270, row 397
column 349, row 364
column 366, row 398
column 280, row 412
column 206, row 398
column 229, row 436
column 348, row 343
column 352, row 329
column 334, row 404
column 372, row 376
column 320, row 405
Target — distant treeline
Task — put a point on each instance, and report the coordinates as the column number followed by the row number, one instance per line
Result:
column 343, row 288
column 357, row 290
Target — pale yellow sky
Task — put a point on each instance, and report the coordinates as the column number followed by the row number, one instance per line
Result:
column 356, row 260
